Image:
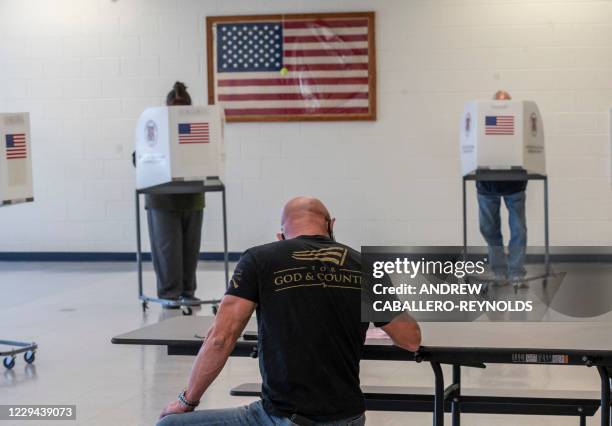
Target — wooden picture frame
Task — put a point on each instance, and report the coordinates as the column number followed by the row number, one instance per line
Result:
column 369, row 115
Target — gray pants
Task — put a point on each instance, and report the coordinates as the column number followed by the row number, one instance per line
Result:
column 175, row 246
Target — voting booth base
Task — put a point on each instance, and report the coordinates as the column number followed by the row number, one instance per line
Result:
column 210, row 184
column 28, row 349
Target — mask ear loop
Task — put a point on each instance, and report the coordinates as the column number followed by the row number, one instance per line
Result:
column 329, row 230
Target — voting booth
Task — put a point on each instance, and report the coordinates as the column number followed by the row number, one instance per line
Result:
column 179, row 143
column 502, row 134
column 15, row 158
column 179, row 150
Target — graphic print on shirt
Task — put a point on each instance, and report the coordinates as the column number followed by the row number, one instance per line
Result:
column 336, row 255
column 317, row 275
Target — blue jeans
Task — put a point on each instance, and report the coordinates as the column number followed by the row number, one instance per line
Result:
column 490, row 228
column 248, row 415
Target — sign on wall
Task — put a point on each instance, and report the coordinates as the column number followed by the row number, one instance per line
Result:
column 293, row 67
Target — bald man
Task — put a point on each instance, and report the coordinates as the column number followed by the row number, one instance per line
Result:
column 306, row 290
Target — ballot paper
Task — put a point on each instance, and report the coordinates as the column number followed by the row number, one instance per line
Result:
column 376, row 333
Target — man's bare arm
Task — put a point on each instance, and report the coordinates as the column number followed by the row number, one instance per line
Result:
column 233, row 315
column 405, row 332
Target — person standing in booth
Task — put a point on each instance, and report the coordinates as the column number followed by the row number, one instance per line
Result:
column 175, row 231
column 490, row 194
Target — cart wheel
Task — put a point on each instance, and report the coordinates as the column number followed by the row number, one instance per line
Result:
column 516, row 288
column 187, row 310
column 145, row 305
column 29, row 357
column 215, row 309
column 9, row 362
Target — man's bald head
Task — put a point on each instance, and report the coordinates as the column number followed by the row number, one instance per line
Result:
column 305, row 216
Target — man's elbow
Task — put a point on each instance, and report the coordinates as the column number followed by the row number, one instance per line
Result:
column 220, row 341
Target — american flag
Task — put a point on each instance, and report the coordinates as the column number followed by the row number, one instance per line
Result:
column 499, row 125
column 295, row 67
column 193, row 133
column 16, row 146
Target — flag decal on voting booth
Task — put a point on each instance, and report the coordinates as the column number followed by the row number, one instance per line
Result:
column 15, row 161
column 16, row 146
column 179, row 143
column 194, row 133
column 499, row 125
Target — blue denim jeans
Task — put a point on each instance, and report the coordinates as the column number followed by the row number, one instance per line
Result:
column 490, row 228
column 248, row 415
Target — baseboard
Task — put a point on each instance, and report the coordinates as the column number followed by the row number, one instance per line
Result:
column 58, row 256
column 55, row 256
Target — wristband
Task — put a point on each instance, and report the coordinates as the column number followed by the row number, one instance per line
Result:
column 186, row 402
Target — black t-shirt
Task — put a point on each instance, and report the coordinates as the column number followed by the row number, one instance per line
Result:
column 308, row 293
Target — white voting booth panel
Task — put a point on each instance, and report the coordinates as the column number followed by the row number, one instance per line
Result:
column 15, row 158
column 502, row 135
column 178, row 143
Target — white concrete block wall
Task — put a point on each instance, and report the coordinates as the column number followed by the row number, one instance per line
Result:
column 86, row 68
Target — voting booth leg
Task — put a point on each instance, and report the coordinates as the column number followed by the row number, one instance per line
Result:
column 139, row 254
column 546, row 241
column 464, row 220
column 225, row 251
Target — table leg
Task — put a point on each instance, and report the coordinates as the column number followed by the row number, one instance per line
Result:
column 456, row 409
column 438, row 414
column 605, row 395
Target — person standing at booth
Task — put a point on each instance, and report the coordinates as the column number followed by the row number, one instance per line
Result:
column 175, row 231
column 490, row 194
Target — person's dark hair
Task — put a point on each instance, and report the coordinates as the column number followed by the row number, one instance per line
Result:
column 178, row 95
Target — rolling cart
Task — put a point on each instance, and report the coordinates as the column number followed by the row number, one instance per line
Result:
column 515, row 174
column 210, row 184
column 26, row 348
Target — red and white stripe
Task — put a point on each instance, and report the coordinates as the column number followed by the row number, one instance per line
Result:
column 504, row 126
column 19, row 148
column 200, row 133
column 327, row 63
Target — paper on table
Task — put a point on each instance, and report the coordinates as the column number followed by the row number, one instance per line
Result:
column 376, row 333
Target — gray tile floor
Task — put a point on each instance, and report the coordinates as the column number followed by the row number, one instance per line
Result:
column 73, row 309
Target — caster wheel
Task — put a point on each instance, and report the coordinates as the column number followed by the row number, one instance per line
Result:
column 516, row 288
column 215, row 309
column 9, row 362
column 187, row 310
column 29, row 357
column 145, row 305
